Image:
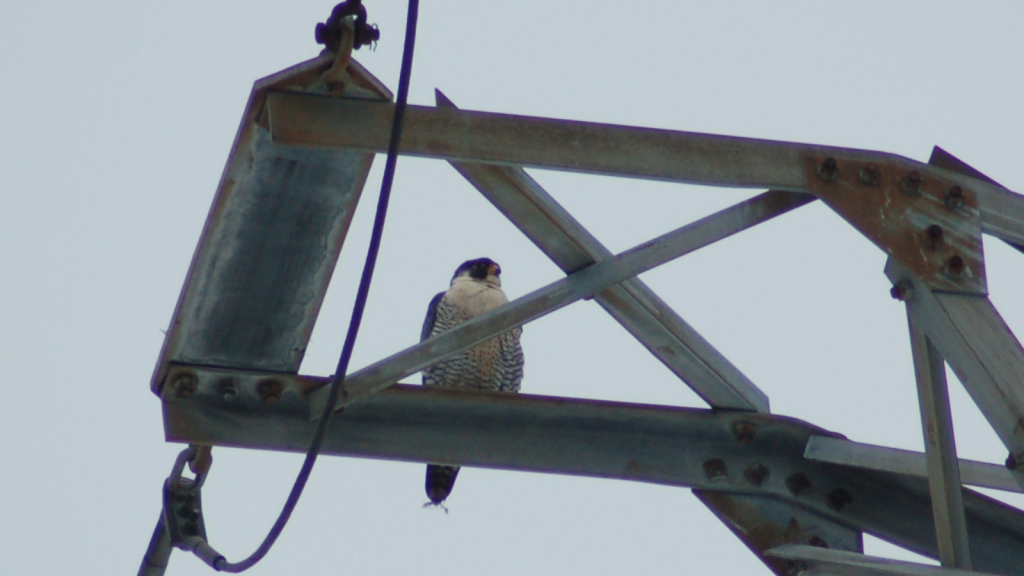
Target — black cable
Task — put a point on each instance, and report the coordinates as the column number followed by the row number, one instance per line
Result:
column 337, row 383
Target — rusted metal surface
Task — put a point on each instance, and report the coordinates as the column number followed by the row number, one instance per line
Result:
column 931, row 225
column 657, row 444
column 271, row 240
column 763, row 523
column 1002, row 210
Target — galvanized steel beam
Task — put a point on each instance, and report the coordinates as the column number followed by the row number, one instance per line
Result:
column 721, row 451
column 885, row 459
column 764, row 523
column 814, row 561
column 649, row 319
column 556, row 295
column 979, row 346
column 939, row 449
column 270, row 242
column 675, row 156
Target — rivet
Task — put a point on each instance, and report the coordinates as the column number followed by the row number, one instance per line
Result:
column 715, row 471
column 227, row 388
column 829, row 169
column 744, row 431
column 838, row 499
column 756, row 473
column 901, row 290
column 870, row 175
column 184, row 385
column 954, row 198
column 911, row 183
column 270, row 391
column 934, row 236
column 798, row 483
column 954, row 267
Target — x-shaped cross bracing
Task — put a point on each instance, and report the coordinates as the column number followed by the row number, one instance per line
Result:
column 284, row 205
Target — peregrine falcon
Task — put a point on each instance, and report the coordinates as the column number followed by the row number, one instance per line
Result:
column 493, row 365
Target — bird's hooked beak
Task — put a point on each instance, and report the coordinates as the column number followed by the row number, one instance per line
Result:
column 494, row 270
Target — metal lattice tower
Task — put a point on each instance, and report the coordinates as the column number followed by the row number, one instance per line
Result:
column 799, row 496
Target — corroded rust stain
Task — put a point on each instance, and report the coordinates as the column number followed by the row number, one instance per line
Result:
column 928, row 224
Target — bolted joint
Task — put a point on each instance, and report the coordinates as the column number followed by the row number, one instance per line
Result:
column 870, row 175
column 715, row 470
column 933, row 236
column 911, row 183
column 270, row 391
column 184, row 385
column 954, row 267
column 829, row 169
column 902, row 290
column 744, row 431
column 330, row 32
column 954, row 198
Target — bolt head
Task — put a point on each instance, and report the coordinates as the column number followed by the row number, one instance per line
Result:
column 911, row 183
column 184, row 385
column 828, row 170
column 954, row 198
column 870, row 175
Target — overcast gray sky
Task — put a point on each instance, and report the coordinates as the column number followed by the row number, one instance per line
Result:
column 116, row 119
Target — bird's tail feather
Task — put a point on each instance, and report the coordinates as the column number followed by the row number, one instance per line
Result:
column 440, row 481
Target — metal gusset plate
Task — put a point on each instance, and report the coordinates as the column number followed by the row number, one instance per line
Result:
column 271, row 240
column 931, row 225
column 732, row 452
column 763, row 523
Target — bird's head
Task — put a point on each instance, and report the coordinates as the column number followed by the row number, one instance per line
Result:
column 481, row 270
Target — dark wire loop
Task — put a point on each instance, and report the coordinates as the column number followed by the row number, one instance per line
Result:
column 202, row 549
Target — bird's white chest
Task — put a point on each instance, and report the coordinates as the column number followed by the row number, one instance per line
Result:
column 472, row 299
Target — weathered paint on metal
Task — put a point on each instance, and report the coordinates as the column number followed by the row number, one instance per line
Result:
column 982, row 350
column 940, row 449
column 656, row 444
column 909, row 216
column 764, row 522
column 271, row 240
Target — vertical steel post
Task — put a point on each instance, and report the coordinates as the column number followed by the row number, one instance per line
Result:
column 940, row 449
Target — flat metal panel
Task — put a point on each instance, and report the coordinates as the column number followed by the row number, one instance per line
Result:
column 270, row 243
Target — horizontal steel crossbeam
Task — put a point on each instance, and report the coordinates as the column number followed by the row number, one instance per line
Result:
column 721, row 451
column 675, row 156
